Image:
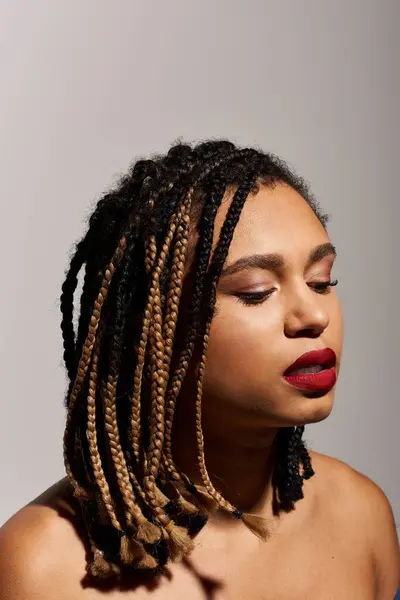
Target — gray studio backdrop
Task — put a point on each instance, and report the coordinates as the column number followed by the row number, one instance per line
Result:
column 89, row 85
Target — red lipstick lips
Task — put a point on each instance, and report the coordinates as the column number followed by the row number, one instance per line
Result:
column 320, row 371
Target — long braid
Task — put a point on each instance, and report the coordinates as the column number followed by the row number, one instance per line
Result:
column 95, row 456
column 67, row 308
column 135, row 519
column 166, row 329
column 99, row 565
column 172, row 301
column 177, row 536
column 203, row 256
column 150, row 259
column 85, row 361
column 145, row 530
column 135, row 399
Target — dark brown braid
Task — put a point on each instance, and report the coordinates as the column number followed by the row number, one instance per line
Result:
column 124, row 366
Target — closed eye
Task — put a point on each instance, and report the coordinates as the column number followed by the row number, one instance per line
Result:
column 323, row 286
column 256, row 298
column 252, row 298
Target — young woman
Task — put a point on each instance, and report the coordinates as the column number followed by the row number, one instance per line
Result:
column 209, row 335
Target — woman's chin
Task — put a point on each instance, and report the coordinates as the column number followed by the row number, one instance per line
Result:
column 314, row 407
column 308, row 408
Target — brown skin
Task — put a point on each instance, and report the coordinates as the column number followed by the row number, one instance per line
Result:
column 340, row 541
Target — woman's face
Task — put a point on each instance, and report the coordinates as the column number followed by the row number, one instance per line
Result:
column 251, row 345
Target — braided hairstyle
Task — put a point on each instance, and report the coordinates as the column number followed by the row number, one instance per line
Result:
column 125, row 365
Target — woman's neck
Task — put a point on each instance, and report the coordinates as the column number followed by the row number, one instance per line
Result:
column 240, row 464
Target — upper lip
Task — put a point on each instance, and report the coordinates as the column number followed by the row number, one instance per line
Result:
column 325, row 357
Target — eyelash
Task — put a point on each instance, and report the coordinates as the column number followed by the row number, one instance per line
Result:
column 254, row 298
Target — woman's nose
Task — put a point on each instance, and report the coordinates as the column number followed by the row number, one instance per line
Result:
column 306, row 316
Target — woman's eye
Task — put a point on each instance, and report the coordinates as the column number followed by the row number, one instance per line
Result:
column 252, row 298
column 323, row 286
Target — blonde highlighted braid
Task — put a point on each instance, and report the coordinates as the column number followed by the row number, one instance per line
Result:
column 86, row 358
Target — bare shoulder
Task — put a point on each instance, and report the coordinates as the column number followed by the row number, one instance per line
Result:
column 41, row 552
column 363, row 506
column 343, row 482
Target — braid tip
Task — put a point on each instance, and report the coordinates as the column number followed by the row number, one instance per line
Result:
column 100, row 568
column 183, row 504
column 130, row 549
column 161, row 498
column 148, row 532
column 146, row 562
column 260, row 526
column 186, row 507
column 179, row 542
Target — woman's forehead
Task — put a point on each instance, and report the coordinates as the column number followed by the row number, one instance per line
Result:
column 275, row 219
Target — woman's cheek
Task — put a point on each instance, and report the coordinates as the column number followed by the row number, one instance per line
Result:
column 238, row 344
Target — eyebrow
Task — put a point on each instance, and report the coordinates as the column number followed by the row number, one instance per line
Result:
column 276, row 262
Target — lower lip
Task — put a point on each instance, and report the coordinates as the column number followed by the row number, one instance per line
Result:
column 324, row 380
